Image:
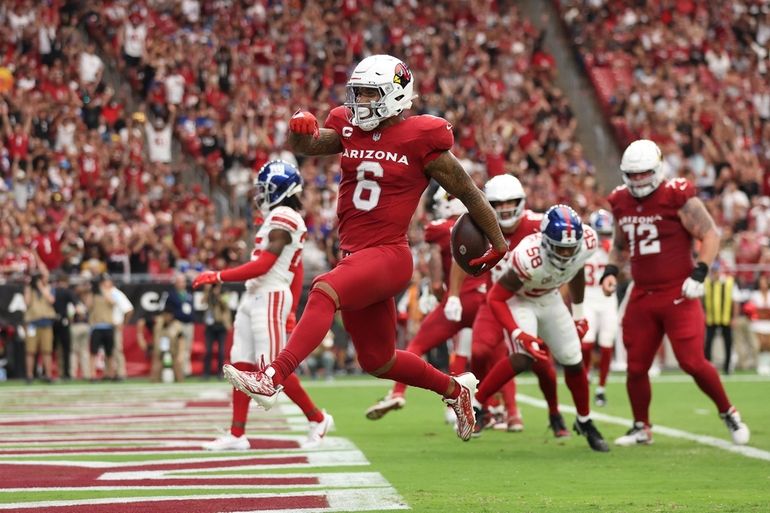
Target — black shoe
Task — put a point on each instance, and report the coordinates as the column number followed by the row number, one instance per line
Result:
column 600, row 399
column 557, row 425
column 595, row 440
column 481, row 416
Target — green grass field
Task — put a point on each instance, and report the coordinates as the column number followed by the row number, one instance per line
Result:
column 417, row 454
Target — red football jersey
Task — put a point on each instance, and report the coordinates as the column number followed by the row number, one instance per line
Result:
column 382, row 176
column 440, row 232
column 660, row 247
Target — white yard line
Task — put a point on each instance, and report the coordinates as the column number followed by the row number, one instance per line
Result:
column 339, row 500
column 725, row 445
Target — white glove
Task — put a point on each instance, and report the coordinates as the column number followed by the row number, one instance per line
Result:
column 453, row 309
column 693, row 289
column 427, row 303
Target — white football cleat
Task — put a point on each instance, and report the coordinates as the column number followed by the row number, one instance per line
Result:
column 463, row 405
column 388, row 403
column 318, row 431
column 738, row 429
column 257, row 385
column 228, row 442
column 639, row 434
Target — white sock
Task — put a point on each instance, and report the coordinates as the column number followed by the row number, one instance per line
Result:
column 583, row 418
column 599, row 390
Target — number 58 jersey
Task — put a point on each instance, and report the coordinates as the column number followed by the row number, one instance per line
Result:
column 281, row 274
column 660, row 247
column 536, row 273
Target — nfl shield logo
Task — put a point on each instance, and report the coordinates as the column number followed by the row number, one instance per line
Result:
column 376, row 136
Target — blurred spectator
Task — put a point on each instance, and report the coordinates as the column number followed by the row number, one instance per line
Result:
column 101, row 303
column 179, row 304
column 721, row 302
column 39, row 319
column 80, row 357
column 64, row 305
column 121, row 315
column 219, row 321
column 759, row 313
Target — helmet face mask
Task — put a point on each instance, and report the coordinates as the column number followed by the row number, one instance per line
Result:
column 508, row 211
column 379, row 88
column 562, row 232
column 276, row 181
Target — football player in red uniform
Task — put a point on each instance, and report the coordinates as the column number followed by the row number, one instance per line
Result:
column 437, row 327
column 387, row 162
column 656, row 221
column 506, row 195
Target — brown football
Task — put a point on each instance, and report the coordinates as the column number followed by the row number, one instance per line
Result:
column 467, row 242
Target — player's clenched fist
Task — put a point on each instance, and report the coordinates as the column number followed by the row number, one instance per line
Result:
column 304, row 123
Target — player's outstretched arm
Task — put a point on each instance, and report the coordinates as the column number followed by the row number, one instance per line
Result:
column 699, row 223
column 448, row 172
column 615, row 261
column 277, row 240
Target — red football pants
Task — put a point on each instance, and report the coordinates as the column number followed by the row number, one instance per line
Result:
column 648, row 316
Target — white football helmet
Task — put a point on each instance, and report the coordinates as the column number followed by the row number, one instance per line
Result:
column 446, row 205
column 506, row 188
column 642, row 156
column 392, row 82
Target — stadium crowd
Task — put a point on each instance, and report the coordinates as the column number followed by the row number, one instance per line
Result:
column 92, row 182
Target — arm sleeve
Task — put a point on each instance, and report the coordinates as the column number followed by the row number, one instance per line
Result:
column 496, row 299
column 251, row 269
column 296, row 286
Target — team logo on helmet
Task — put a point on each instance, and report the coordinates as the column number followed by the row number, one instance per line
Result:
column 402, row 75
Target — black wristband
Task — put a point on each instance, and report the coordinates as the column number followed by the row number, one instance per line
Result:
column 609, row 270
column 700, row 272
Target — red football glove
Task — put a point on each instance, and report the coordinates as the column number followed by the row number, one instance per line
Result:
column 206, row 278
column 488, row 259
column 291, row 322
column 304, row 123
column 582, row 328
column 533, row 345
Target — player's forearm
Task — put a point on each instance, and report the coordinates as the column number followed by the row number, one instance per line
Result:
column 251, row 269
column 709, row 248
column 497, row 302
column 577, row 288
column 456, row 279
column 327, row 143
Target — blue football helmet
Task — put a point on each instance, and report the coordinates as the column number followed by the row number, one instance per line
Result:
column 602, row 221
column 276, row 181
column 562, row 235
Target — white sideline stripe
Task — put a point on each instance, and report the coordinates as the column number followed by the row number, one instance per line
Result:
column 39, row 446
column 339, row 500
column 128, row 436
column 336, row 480
column 743, row 450
column 339, row 444
column 318, row 459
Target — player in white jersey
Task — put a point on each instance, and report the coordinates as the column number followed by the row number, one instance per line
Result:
column 273, row 285
column 527, row 302
column 601, row 311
